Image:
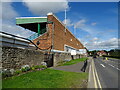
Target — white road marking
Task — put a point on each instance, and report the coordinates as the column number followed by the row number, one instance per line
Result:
column 114, row 67
column 97, row 77
column 111, row 65
column 102, row 65
column 90, row 74
column 117, row 68
column 95, row 83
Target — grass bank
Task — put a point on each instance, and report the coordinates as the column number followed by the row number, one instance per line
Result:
column 74, row 61
column 48, row 78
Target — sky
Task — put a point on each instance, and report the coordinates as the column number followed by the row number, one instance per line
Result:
column 95, row 24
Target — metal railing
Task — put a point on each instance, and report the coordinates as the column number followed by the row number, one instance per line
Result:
column 34, row 36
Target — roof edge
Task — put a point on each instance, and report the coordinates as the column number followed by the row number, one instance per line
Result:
column 29, row 17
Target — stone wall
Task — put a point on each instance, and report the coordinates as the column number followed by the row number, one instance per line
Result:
column 59, row 57
column 14, row 58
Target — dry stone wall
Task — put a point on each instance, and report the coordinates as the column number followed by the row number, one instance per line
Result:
column 15, row 58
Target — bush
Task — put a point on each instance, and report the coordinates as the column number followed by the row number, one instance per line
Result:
column 25, row 68
column 4, row 74
column 43, row 66
column 33, row 68
column 18, row 72
column 37, row 67
column 7, row 73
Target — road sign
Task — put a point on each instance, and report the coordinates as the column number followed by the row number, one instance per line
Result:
column 73, row 52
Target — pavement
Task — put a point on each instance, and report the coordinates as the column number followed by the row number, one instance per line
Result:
column 73, row 68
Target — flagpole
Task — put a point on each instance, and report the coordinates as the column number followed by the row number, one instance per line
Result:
column 65, row 19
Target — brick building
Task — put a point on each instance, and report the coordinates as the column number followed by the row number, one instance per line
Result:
column 50, row 33
column 101, row 53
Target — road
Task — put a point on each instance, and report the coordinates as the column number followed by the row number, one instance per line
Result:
column 108, row 72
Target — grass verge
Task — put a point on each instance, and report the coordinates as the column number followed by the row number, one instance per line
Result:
column 48, row 78
column 74, row 61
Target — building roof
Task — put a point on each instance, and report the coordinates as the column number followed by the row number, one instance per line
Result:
column 31, row 23
column 27, row 20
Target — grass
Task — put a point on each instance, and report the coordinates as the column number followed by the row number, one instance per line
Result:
column 48, row 78
column 74, row 61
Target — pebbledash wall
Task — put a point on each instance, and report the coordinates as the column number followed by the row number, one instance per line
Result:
column 14, row 58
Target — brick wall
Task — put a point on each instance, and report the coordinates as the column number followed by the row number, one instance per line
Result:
column 45, row 39
column 60, row 37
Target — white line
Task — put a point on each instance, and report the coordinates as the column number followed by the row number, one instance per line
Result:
column 111, row 65
column 114, row 67
column 102, row 65
column 94, row 75
column 117, row 68
column 97, row 77
column 89, row 73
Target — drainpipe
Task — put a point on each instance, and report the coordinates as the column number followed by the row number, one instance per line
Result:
column 50, row 22
column 53, row 35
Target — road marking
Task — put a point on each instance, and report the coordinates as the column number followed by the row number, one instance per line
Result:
column 102, row 65
column 97, row 77
column 117, row 68
column 94, row 76
column 89, row 73
column 111, row 65
column 114, row 67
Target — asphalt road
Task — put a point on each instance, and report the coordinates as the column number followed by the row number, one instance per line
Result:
column 108, row 72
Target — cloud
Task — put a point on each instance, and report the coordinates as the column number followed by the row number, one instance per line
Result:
column 80, row 24
column 95, row 39
column 106, row 44
column 16, row 30
column 82, row 41
column 83, row 26
column 93, row 24
column 8, row 11
column 67, row 22
column 8, row 16
column 42, row 7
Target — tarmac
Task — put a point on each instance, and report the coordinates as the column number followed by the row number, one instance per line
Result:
column 74, row 68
